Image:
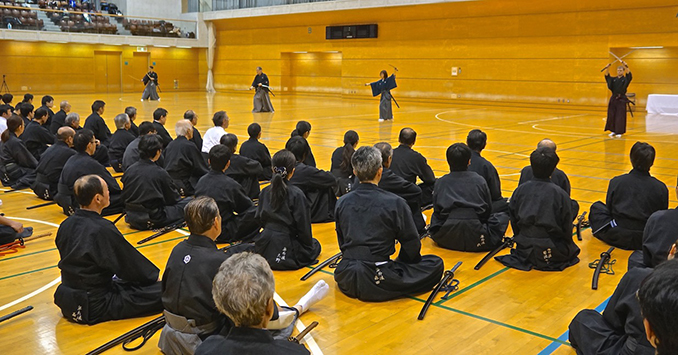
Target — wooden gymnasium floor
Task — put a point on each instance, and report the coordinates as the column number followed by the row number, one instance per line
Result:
column 496, row 310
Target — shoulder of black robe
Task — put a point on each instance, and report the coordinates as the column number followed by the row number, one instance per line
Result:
column 197, row 139
column 53, row 160
column 310, row 159
column 460, row 189
column 249, row 341
column 310, row 177
column 58, row 121
column 82, row 164
column 336, row 162
column 15, row 151
column 149, row 185
column 659, row 236
column 399, row 186
column 162, row 132
column 243, row 166
column 633, row 197
column 525, row 175
column 226, row 192
column 187, row 280
column 558, row 177
column 410, row 164
column 134, row 129
column 96, row 124
column 541, row 203
column 256, row 150
column 92, row 250
column 119, row 142
column 183, row 159
column 485, row 169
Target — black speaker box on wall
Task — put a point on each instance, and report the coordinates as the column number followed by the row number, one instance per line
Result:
column 349, row 32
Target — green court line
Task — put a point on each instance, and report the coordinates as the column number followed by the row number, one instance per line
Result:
column 469, row 287
column 506, row 325
column 27, row 272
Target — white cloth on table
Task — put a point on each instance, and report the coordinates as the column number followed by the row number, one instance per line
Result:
column 662, row 104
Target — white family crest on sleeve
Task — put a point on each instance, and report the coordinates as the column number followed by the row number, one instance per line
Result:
column 187, row 258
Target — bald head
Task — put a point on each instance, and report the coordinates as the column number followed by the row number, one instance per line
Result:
column 65, row 106
column 64, row 133
column 184, row 128
column 407, row 136
column 547, row 143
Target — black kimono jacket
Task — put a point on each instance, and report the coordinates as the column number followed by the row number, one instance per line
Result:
column 632, row 198
column 185, row 164
column 149, row 186
column 37, row 138
column 15, row 151
column 558, row 177
column 485, row 169
column 116, row 148
column 658, row 237
column 58, row 121
column 246, row 172
column 411, row 165
column 96, row 124
column 256, row 150
column 79, row 165
column 50, row 166
column 162, row 132
column 249, row 341
column 197, row 139
column 319, row 187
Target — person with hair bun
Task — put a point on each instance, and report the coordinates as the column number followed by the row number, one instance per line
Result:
column 286, row 240
column 341, row 162
column 303, row 130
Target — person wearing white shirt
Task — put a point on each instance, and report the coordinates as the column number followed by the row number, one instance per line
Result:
column 214, row 134
column 5, row 113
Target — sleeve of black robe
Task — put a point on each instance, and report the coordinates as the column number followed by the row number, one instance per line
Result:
column 320, row 179
column 241, row 202
column 253, row 167
column 410, row 245
column 168, row 189
column 22, row 156
column 426, row 173
column 120, row 257
column 302, row 219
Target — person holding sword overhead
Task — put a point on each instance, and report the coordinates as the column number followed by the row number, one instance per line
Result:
column 151, row 82
column 616, row 109
column 262, row 102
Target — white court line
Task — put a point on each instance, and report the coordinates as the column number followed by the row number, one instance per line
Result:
column 21, row 192
column 513, row 174
column 553, row 118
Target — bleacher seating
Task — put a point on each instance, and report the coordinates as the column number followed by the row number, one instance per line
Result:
column 24, row 18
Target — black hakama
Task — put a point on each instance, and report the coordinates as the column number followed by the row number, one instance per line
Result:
column 410, row 165
column 185, row 164
column 462, row 214
column 103, row 277
column 116, row 148
column 616, row 108
column 631, row 199
column 246, row 172
column 541, row 219
column 262, row 102
column 236, row 208
column 151, row 198
column 286, row 240
column 318, row 186
column 256, row 150
column 49, row 170
column 369, row 221
column 151, row 89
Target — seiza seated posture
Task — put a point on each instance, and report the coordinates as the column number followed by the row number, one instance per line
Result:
column 183, row 160
column 477, row 140
column 51, row 164
column 119, row 141
column 242, row 169
column 410, row 165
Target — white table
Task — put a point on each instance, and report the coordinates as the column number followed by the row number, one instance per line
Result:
column 662, row 104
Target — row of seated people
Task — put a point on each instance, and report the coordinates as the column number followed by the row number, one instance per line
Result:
column 89, row 23
column 71, row 5
column 153, row 28
column 19, row 19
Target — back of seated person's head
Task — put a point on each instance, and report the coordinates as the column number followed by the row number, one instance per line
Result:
column 65, row 132
column 219, row 157
column 547, row 143
column 543, row 162
column 189, row 115
column 658, row 298
column 7, row 98
column 82, row 139
column 407, row 136
column 146, row 127
column 121, row 120
column 14, row 123
column 63, row 105
column 183, row 128
column 219, row 118
column 201, row 214
column 40, row 113
column 253, row 130
column 87, row 187
column 243, row 290
column 5, row 109
column 386, row 151
column 458, row 157
column 159, row 113
column 230, row 140
column 46, row 99
column 131, row 111
column 303, row 127
column 149, row 145
column 72, row 118
column 28, row 98
column 98, row 105
column 642, row 156
column 26, row 109
column 366, row 162
column 298, row 146
column 476, row 140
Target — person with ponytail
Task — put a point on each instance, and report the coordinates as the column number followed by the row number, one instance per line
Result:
column 341, row 162
column 303, row 130
column 318, row 185
column 16, row 161
column 286, row 240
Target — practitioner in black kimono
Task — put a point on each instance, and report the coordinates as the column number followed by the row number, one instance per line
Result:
column 26, row 112
column 183, row 160
column 47, row 103
column 192, row 117
column 159, row 121
column 341, row 163
column 383, row 87
column 59, row 118
column 477, row 140
column 369, row 221
column 410, row 165
column 132, row 114
column 52, row 163
column 131, row 154
column 286, row 240
column 658, row 303
column 103, row 277
column 399, row 186
column 541, row 219
column 243, row 290
column 262, row 102
column 82, row 164
column 119, row 141
column 242, row 169
column 463, row 218
column 96, row 123
column 616, row 109
column 37, row 136
column 236, row 208
column 17, row 164
column 303, row 130
column 151, row 199
column 254, row 149
column 659, row 233
column 101, row 153
column 318, row 185
column 631, row 199
column 151, row 82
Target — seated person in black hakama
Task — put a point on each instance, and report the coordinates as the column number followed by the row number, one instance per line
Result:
column 236, row 209
column 541, row 219
column 244, row 170
column 256, row 150
column 462, row 217
column 51, row 164
column 101, row 153
column 303, row 130
column 12, row 230
column 82, row 164
column 159, row 121
column 341, row 163
column 318, row 185
column 631, row 199
column 243, row 290
column 96, row 123
column 286, row 240
column 17, row 164
column 369, row 221
column 151, row 198
column 37, row 136
column 619, row 329
column 183, row 160
column 410, row 165
column 103, row 277
column 477, row 140
column 119, row 141
column 59, row 118
column 131, row 154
